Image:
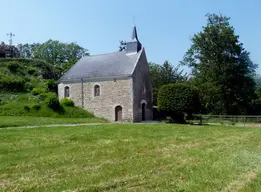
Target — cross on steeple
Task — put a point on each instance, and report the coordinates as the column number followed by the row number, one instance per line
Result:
column 11, row 38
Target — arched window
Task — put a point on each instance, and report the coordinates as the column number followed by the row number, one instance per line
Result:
column 66, row 91
column 96, row 90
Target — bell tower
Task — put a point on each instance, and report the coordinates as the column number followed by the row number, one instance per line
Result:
column 133, row 46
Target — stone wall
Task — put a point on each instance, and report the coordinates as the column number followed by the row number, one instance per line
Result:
column 141, row 80
column 112, row 93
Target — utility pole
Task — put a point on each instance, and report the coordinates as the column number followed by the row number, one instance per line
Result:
column 10, row 35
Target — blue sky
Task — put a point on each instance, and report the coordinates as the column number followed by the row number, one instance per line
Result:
column 164, row 27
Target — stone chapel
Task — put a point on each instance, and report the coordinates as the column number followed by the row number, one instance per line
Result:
column 115, row 86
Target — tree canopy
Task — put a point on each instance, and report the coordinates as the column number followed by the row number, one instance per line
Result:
column 164, row 74
column 61, row 55
column 221, row 67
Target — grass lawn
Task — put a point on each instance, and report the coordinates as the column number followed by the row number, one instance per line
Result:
column 14, row 121
column 131, row 157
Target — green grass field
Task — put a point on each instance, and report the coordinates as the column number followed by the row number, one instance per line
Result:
column 131, row 157
column 14, row 121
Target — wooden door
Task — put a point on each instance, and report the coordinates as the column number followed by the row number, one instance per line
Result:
column 118, row 113
column 143, row 111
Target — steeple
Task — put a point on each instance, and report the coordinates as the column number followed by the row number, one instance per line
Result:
column 134, row 45
column 134, row 33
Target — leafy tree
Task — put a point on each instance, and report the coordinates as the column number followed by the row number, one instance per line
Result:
column 61, row 55
column 28, row 50
column 164, row 74
column 56, row 52
column 221, row 67
column 177, row 99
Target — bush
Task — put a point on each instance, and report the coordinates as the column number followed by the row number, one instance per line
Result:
column 52, row 101
column 12, row 83
column 37, row 107
column 51, row 85
column 2, row 102
column 42, row 96
column 31, row 70
column 13, row 66
column 28, row 86
column 67, row 102
column 177, row 99
column 27, row 108
column 38, row 91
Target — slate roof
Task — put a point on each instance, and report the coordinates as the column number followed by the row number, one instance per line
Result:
column 105, row 65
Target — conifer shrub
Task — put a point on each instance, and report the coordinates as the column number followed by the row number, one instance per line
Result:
column 176, row 100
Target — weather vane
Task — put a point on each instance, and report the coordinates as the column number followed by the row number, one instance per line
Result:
column 11, row 38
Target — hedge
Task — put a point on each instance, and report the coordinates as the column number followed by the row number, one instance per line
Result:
column 177, row 99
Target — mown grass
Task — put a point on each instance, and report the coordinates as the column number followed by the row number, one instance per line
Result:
column 131, row 157
column 13, row 121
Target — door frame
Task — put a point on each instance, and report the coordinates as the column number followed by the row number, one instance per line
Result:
column 116, row 112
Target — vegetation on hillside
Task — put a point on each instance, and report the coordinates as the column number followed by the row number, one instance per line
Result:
column 28, row 85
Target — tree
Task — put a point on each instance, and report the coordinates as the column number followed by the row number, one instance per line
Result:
column 177, row 99
column 164, row 74
column 61, row 55
column 221, row 67
column 28, row 50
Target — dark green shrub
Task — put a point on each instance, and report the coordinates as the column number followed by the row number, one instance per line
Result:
column 26, row 108
column 28, row 86
column 51, row 85
column 13, row 66
column 36, row 107
column 67, row 102
column 2, row 102
column 178, row 99
column 32, row 70
column 38, row 91
column 52, row 101
column 42, row 96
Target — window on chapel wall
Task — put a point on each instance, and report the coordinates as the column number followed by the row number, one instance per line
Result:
column 96, row 90
column 66, row 91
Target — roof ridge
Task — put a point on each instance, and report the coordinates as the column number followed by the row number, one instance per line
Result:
column 104, row 53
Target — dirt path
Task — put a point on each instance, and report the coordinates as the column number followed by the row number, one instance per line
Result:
column 55, row 125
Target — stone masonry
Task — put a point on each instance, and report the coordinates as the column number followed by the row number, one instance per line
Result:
column 112, row 94
column 142, row 90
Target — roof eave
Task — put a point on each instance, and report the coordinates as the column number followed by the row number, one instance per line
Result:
column 91, row 79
